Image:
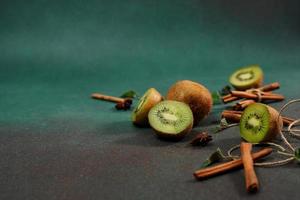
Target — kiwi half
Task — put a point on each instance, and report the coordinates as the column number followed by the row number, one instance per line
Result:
column 247, row 77
column 171, row 119
column 260, row 123
column 195, row 95
column 147, row 101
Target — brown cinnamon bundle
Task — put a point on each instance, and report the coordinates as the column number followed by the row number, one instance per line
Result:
column 260, row 94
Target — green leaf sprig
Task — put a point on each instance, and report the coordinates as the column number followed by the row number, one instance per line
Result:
column 223, row 125
column 215, row 157
column 129, row 94
column 216, row 98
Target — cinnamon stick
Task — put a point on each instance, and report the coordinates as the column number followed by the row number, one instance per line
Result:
column 224, row 167
column 231, row 117
column 269, row 87
column 287, row 121
column 229, row 99
column 233, row 111
column 273, row 97
column 247, row 101
column 107, row 98
column 251, row 180
column 121, row 103
column 243, row 104
column 227, row 96
column 249, row 95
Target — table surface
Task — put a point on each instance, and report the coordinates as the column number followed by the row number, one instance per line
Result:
column 57, row 143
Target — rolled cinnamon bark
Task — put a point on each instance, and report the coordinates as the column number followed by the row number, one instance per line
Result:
column 224, row 167
column 251, row 180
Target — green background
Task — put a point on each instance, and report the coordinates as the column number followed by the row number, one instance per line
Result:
column 57, row 143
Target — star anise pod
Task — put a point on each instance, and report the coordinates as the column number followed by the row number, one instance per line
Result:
column 201, row 139
column 124, row 105
column 225, row 90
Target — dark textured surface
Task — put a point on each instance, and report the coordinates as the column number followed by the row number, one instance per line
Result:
column 56, row 143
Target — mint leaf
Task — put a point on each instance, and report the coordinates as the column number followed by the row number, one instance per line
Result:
column 129, row 94
column 223, row 125
column 225, row 90
column 216, row 98
column 215, row 157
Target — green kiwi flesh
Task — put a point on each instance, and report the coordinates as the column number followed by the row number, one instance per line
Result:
column 141, row 103
column 247, row 77
column 171, row 119
column 260, row 123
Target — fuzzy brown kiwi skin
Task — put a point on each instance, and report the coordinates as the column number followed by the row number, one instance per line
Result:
column 141, row 118
column 195, row 95
column 174, row 137
column 275, row 124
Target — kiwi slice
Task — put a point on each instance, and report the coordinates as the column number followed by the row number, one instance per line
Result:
column 147, row 101
column 260, row 123
column 171, row 119
column 247, row 77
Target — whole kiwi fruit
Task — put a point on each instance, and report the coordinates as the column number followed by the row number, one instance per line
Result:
column 195, row 95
